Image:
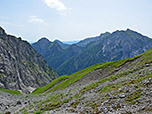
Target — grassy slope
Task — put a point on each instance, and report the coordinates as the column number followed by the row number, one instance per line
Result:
column 15, row 92
column 48, row 86
column 70, row 79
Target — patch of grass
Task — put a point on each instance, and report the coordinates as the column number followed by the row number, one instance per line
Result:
column 54, row 101
column 23, row 110
column 51, row 45
column 111, row 87
column 2, row 75
column 38, row 112
column 133, row 97
column 71, row 110
column 15, row 92
column 75, row 104
column 52, row 106
column 48, row 86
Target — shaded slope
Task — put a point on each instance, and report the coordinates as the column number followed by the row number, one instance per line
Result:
column 106, row 47
column 87, row 41
column 21, row 67
column 63, row 46
column 119, row 45
column 53, row 53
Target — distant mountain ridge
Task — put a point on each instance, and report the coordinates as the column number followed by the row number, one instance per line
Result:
column 63, row 45
column 86, row 41
column 21, row 67
column 103, row 48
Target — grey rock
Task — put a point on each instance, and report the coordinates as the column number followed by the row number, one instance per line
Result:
column 21, row 67
column 122, row 95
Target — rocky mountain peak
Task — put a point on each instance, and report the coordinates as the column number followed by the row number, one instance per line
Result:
column 130, row 30
column 63, row 45
column 2, row 32
column 58, row 41
column 21, row 67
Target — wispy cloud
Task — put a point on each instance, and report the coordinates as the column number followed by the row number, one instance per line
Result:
column 58, row 5
column 36, row 20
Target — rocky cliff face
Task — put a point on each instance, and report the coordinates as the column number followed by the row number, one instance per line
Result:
column 21, row 67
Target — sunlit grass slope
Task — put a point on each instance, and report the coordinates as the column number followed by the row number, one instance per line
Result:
column 65, row 81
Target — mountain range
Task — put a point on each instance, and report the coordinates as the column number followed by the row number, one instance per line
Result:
column 67, row 59
column 115, row 87
column 21, row 67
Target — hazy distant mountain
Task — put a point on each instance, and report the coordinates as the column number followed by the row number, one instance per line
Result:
column 87, row 41
column 55, row 52
column 63, row 45
column 106, row 47
column 21, row 67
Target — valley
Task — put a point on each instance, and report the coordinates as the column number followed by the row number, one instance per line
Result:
column 115, row 87
column 75, row 57
column 67, row 59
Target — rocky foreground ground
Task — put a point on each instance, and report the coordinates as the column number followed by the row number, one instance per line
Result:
column 125, row 92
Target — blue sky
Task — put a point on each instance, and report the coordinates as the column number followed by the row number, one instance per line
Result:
column 69, row 20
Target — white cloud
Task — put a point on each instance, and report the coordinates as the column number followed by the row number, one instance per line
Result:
column 58, row 5
column 35, row 20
